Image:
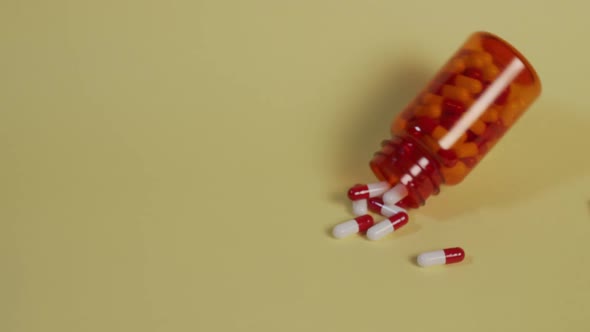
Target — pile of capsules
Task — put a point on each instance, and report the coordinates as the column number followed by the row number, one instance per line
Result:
column 381, row 198
column 447, row 99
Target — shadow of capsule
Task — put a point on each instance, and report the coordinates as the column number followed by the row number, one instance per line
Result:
column 408, row 230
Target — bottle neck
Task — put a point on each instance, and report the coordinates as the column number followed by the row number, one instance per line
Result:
column 403, row 159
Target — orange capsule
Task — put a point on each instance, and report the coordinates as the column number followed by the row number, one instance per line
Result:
column 454, row 174
column 466, row 150
column 399, row 125
column 430, row 98
column 490, row 72
column 478, row 127
column 508, row 116
column 457, row 65
column 438, row 132
column 456, row 93
column 432, row 111
column 511, row 112
column 479, row 59
column 472, row 85
column 462, row 139
column 418, row 109
column 491, row 115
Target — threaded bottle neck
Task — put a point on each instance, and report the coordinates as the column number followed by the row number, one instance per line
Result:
column 403, row 159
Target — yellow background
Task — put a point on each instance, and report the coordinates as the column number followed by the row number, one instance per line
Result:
column 177, row 165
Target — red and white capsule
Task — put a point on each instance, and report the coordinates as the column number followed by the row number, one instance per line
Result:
column 377, row 205
column 395, row 194
column 387, row 226
column 359, row 207
column 357, row 225
column 364, row 191
column 441, row 257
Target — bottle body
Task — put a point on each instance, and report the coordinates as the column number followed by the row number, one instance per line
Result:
column 455, row 121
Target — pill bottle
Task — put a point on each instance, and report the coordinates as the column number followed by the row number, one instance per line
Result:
column 456, row 120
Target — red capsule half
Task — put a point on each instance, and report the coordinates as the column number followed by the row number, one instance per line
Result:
column 357, row 225
column 364, row 191
column 441, row 257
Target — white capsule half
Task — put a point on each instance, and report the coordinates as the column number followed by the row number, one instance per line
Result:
column 345, row 229
column 380, row 230
column 377, row 205
column 432, row 258
column 388, row 211
column 378, row 188
column 395, row 194
column 360, row 207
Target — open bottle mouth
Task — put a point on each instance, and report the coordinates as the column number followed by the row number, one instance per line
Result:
column 402, row 160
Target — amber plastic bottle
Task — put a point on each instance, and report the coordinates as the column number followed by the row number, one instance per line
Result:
column 455, row 121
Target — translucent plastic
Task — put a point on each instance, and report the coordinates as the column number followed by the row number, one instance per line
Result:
column 453, row 123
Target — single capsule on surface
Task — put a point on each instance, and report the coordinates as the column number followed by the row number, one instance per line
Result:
column 359, row 207
column 441, row 257
column 357, row 225
column 387, row 226
column 377, row 205
column 364, row 191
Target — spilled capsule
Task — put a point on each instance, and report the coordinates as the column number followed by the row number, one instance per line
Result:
column 364, row 191
column 377, row 205
column 356, row 225
column 395, row 194
column 359, row 207
column 387, row 226
column 441, row 257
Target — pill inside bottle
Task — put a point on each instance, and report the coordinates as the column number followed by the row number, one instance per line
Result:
column 443, row 134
